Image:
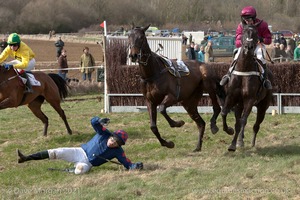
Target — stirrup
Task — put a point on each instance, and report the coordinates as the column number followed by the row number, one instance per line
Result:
column 28, row 90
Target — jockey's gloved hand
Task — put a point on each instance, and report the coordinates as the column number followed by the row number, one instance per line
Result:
column 8, row 66
column 104, row 121
column 137, row 165
column 261, row 40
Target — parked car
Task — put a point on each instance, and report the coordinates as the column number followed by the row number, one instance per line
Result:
column 223, row 46
column 165, row 33
column 287, row 33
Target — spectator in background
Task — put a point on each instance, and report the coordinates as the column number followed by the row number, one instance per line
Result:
column 3, row 44
column 289, row 53
column 204, row 41
column 190, row 38
column 59, row 46
column 196, row 49
column 200, row 56
column 86, row 62
column 208, row 52
column 63, row 64
column 276, row 39
column 297, row 52
column 282, row 53
column 190, row 53
column 292, row 43
column 275, row 53
column 282, row 40
column 184, row 39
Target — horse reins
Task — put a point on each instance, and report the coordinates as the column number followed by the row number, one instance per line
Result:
column 5, row 81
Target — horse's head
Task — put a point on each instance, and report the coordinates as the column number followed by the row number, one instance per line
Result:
column 250, row 38
column 137, row 41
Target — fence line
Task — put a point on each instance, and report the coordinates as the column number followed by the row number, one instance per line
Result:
column 280, row 109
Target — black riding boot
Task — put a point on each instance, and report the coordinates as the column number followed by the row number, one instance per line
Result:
column 28, row 86
column 225, row 79
column 37, row 156
column 266, row 82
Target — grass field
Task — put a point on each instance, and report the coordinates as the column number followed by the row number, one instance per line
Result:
column 269, row 171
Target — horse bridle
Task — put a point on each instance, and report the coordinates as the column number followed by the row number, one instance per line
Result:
column 140, row 55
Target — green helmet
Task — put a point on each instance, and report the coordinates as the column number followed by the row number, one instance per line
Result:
column 13, row 38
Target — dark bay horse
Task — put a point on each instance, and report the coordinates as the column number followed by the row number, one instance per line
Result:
column 53, row 89
column 245, row 90
column 162, row 89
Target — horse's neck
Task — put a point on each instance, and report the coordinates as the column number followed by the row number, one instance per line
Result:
column 152, row 68
column 245, row 62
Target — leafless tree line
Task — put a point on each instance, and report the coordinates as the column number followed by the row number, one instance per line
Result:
column 40, row 16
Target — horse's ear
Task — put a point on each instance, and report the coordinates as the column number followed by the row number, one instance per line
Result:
column 146, row 28
column 132, row 25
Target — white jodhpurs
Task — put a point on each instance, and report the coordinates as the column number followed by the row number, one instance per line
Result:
column 29, row 67
column 260, row 53
column 75, row 155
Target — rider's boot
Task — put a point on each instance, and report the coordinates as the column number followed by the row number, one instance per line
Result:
column 266, row 82
column 37, row 156
column 225, row 78
column 28, row 86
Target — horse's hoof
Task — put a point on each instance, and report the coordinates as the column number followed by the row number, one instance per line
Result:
column 214, row 129
column 231, row 148
column 178, row 124
column 197, row 150
column 230, row 131
column 169, row 145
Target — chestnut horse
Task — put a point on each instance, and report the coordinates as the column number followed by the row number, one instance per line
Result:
column 245, row 90
column 161, row 88
column 53, row 89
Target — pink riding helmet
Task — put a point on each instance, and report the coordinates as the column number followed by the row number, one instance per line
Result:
column 248, row 11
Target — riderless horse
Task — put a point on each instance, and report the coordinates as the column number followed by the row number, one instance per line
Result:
column 164, row 85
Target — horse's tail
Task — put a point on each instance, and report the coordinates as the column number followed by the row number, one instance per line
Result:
column 221, row 93
column 61, row 84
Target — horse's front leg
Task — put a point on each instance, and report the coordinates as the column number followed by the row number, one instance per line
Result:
column 153, row 119
column 239, row 135
column 167, row 102
column 224, row 114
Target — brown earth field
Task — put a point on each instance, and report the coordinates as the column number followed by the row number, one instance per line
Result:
column 46, row 55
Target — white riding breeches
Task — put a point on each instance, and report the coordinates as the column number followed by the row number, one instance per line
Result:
column 30, row 66
column 75, row 155
column 260, row 53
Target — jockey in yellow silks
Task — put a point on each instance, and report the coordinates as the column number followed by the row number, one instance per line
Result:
column 23, row 55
